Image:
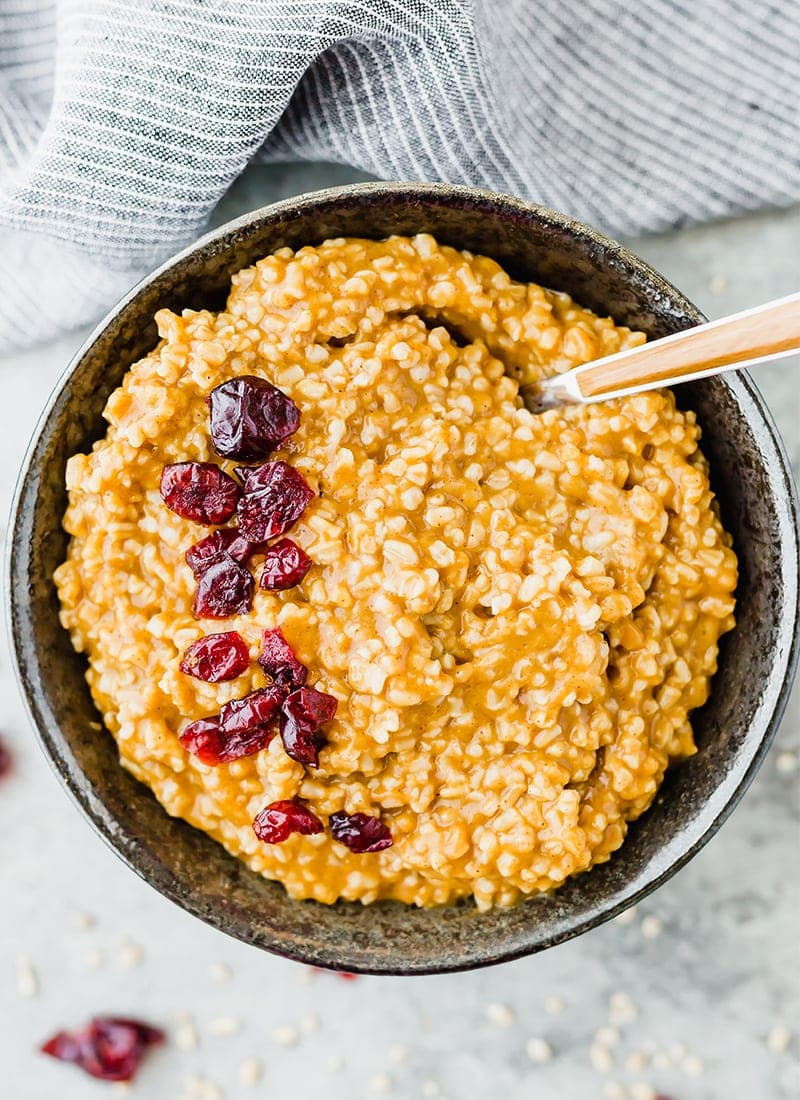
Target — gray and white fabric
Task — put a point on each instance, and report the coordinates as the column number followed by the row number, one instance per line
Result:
column 122, row 122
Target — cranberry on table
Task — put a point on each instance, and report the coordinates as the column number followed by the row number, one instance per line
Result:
column 224, row 589
column 206, row 740
column 360, row 832
column 276, row 822
column 275, row 496
column 5, row 758
column 278, row 657
column 216, row 657
column 285, row 565
column 250, row 417
column 110, row 1048
column 302, row 714
column 345, row 975
column 217, row 547
column 199, row 491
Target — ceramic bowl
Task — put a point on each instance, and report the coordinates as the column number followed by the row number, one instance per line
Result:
column 750, row 475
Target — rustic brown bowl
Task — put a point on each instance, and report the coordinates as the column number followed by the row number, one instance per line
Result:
column 751, row 477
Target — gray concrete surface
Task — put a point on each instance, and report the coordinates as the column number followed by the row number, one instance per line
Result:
column 693, row 989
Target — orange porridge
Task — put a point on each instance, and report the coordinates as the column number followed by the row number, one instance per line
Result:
column 503, row 620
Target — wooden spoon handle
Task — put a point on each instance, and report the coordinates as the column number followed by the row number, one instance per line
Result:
column 766, row 332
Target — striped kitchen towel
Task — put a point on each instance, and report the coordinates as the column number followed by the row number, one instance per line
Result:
column 122, row 122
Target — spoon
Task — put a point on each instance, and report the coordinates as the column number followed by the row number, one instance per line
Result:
column 759, row 335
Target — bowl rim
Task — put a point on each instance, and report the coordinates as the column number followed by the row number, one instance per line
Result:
column 717, row 807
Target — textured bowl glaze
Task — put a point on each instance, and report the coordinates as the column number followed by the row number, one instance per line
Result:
column 750, row 475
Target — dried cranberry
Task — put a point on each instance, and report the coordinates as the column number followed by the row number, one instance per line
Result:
column 210, row 550
column 279, row 820
column 256, row 709
column 5, row 757
column 223, row 590
column 199, row 491
column 110, row 1048
column 302, row 714
column 242, row 550
column 360, row 832
column 250, row 418
column 244, row 472
column 216, row 657
column 206, row 740
column 246, row 742
column 275, row 495
column 216, row 547
column 285, row 565
column 277, row 657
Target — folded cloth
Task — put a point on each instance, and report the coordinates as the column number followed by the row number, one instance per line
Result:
column 122, row 122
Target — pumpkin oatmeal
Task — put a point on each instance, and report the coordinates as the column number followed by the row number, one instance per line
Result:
column 467, row 663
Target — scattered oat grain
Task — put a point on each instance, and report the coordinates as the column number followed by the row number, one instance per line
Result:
column 398, row 1054
column 95, row 959
column 201, row 1088
column 636, row 1061
column 219, row 972
column 693, row 1066
column 310, row 1024
column 334, row 1063
column 554, row 1005
column 81, row 921
column 285, row 1035
column 539, row 1051
column 622, row 1009
column 380, row 1083
column 27, row 981
column 651, row 927
column 613, row 1090
column 130, row 954
column 250, row 1071
column 786, row 763
column 607, row 1036
column 778, row 1039
column 601, row 1058
column 501, row 1015
column 185, row 1034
